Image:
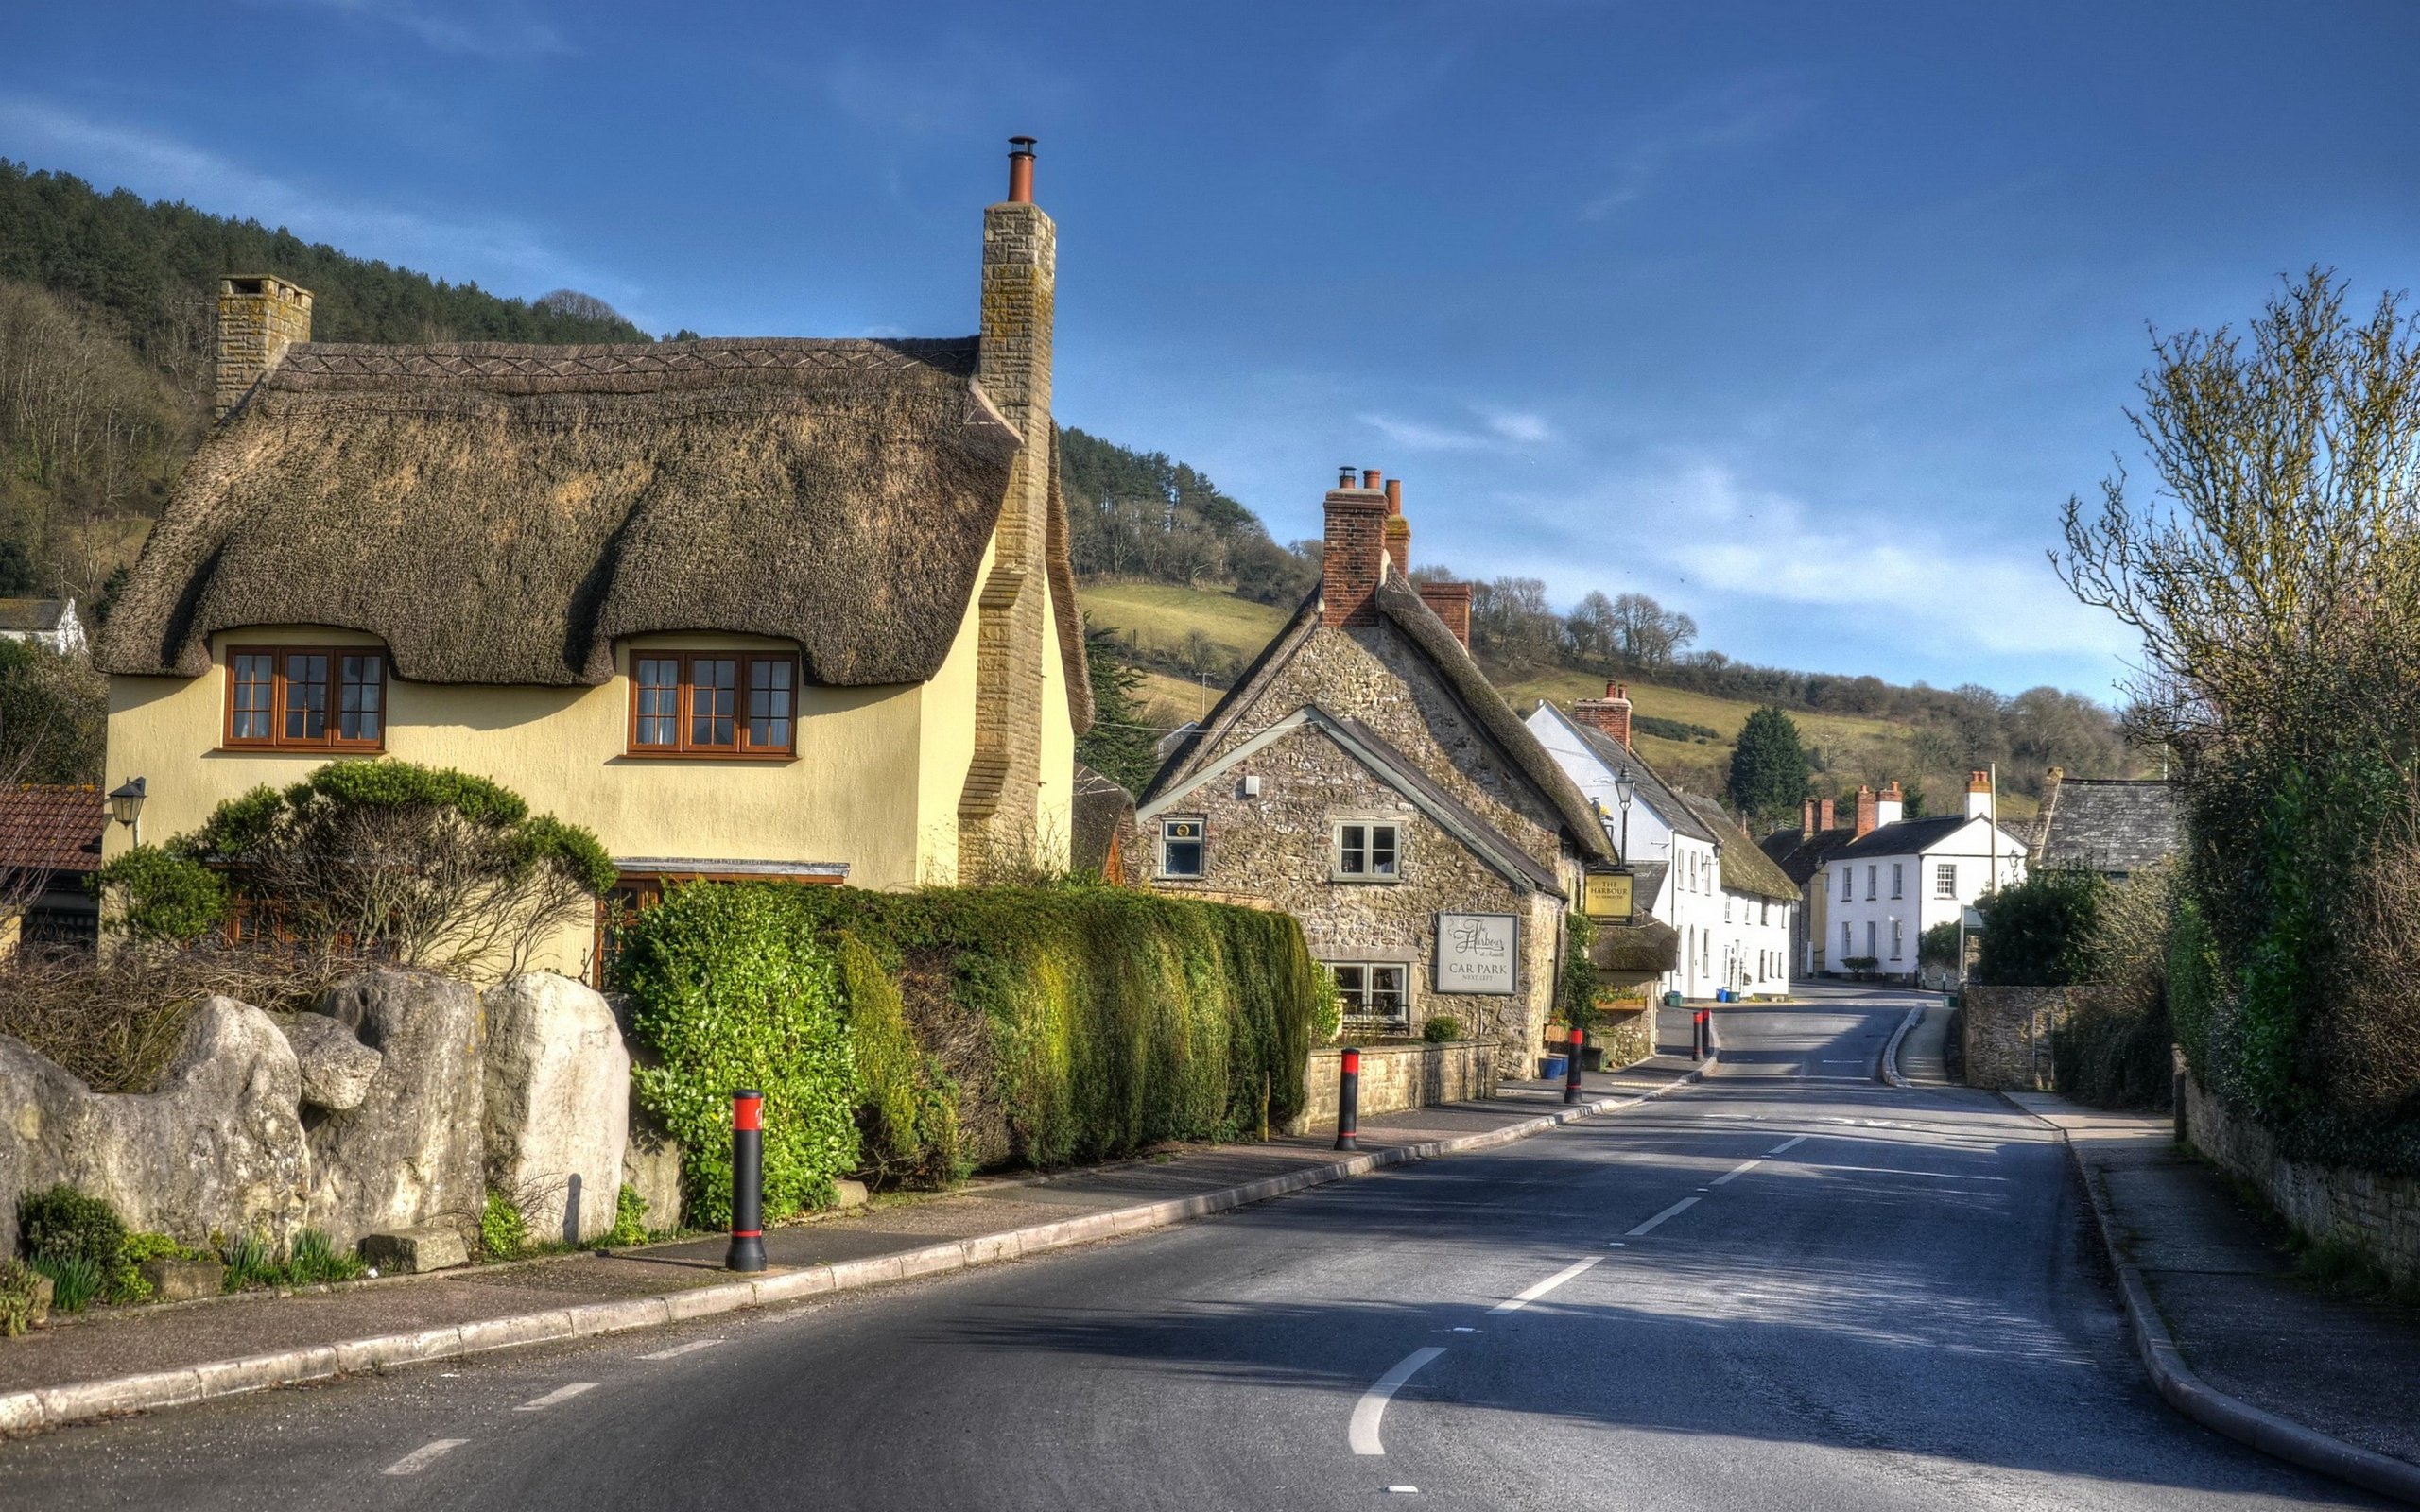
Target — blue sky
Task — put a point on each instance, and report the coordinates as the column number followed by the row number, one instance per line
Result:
column 1804, row 318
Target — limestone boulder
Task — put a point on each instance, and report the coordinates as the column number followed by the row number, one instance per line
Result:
column 651, row 1168
column 337, row 1068
column 558, row 1105
column 408, row 1154
column 219, row 1146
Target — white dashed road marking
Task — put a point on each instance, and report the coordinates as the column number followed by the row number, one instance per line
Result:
column 1515, row 1304
column 1373, row 1405
column 679, row 1350
column 423, row 1458
column 1673, row 1211
column 558, row 1394
column 1786, row 1145
column 1738, row 1170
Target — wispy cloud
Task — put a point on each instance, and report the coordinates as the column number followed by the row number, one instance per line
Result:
column 1741, row 114
column 500, row 254
column 1499, row 430
column 491, row 28
column 1715, row 535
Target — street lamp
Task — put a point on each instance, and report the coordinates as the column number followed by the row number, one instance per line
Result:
column 1624, row 786
column 125, row 806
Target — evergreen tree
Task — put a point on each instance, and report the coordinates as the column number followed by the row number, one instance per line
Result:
column 1769, row 768
column 1118, row 746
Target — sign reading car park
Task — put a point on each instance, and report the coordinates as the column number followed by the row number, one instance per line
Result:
column 1477, row 952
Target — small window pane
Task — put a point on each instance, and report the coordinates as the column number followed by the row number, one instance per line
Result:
column 769, row 703
column 255, row 672
column 659, row 694
column 1180, row 847
column 1385, row 990
column 306, row 696
column 359, row 716
column 1350, row 854
column 1353, row 986
column 1382, row 850
column 713, row 702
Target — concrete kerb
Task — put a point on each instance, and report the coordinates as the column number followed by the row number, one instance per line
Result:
column 1890, row 1072
column 2204, row 1404
column 56, row 1407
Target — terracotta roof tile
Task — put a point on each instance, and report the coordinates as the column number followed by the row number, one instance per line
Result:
column 52, row 828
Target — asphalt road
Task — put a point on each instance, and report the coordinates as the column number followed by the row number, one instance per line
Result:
column 1789, row 1287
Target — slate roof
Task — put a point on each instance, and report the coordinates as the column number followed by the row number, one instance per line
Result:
column 46, row 827
column 1801, row 855
column 2108, row 824
column 1659, row 794
column 1909, row 836
column 41, row 615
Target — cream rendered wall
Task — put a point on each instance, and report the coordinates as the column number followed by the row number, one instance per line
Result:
column 946, row 732
column 1054, row 810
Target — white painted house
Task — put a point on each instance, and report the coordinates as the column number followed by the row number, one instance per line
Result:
column 49, row 622
column 1734, row 935
column 1900, row 877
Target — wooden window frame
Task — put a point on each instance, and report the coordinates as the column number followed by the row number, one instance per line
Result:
column 1359, row 999
column 1200, row 840
column 684, row 703
column 333, row 713
column 1368, row 827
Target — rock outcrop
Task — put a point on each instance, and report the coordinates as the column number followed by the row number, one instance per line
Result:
column 338, row 1069
column 558, row 1105
column 219, row 1146
column 408, row 1154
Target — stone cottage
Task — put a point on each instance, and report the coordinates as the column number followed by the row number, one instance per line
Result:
column 778, row 607
column 1364, row 776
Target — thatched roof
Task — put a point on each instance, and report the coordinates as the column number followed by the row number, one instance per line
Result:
column 1648, row 948
column 500, row 514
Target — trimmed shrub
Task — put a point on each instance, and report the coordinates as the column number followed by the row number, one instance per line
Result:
column 1442, row 1028
column 734, row 988
column 63, row 1228
column 166, row 897
column 1050, row 1025
column 2039, row 932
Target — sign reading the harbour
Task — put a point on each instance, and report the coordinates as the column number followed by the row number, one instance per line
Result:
column 1477, row 952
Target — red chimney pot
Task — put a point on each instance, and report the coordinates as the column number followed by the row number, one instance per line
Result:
column 1020, row 170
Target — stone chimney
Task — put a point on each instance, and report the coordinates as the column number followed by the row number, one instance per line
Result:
column 1451, row 602
column 1354, row 557
column 1610, row 713
column 1866, row 817
column 1807, row 819
column 1824, row 816
column 999, row 808
column 1892, row 806
column 259, row 317
column 1978, row 792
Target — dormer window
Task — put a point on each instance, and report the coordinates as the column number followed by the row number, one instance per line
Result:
column 311, row 698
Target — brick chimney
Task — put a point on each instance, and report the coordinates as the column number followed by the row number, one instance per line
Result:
column 1892, row 806
column 1354, row 557
column 1398, row 528
column 999, row 808
column 1610, row 713
column 1824, row 819
column 1866, row 817
column 1807, row 819
column 1450, row 602
column 259, row 317
column 1978, row 792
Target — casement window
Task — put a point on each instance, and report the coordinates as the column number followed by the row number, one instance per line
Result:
column 1944, row 879
column 1898, row 878
column 1183, row 847
column 1895, row 940
column 1366, row 851
column 714, row 703
column 306, row 697
column 1374, row 992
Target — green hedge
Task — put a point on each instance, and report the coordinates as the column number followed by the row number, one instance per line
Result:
column 915, row 1035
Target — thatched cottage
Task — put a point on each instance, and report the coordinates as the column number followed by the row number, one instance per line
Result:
column 766, row 608
column 1363, row 776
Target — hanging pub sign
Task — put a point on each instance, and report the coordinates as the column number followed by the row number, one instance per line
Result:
column 1477, row 952
column 1608, row 895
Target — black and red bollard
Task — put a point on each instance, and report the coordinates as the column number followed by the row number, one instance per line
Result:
column 1700, row 1033
column 1348, row 1100
column 747, row 1183
column 1572, row 1072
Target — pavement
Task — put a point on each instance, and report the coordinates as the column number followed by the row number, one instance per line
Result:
column 1787, row 1285
column 409, row 1318
column 2219, row 1268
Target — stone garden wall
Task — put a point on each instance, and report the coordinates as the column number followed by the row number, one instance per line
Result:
column 2006, row 1033
column 1395, row 1077
column 2381, row 1213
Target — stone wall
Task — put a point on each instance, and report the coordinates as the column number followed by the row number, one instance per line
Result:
column 2381, row 1213
column 1625, row 1034
column 2006, row 1033
column 1395, row 1077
